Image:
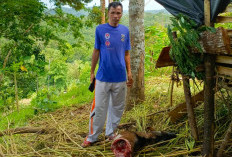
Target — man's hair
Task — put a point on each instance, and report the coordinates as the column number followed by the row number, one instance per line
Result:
column 114, row 5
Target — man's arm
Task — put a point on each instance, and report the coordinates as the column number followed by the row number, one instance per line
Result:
column 95, row 58
column 128, row 69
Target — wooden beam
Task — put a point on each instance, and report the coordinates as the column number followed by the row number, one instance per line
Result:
column 181, row 109
column 224, row 59
column 223, row 19
column 224, row 70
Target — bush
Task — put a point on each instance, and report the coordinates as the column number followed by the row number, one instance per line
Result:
column 43, row 103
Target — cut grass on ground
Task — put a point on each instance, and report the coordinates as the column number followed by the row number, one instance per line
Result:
column 69, row 126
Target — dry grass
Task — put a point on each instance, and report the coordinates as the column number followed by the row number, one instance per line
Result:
column 71, row 126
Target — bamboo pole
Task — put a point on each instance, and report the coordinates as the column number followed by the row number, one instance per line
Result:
column 209, row 63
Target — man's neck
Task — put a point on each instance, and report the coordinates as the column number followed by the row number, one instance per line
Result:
column 113, row 24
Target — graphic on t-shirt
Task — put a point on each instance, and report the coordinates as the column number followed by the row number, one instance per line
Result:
column 122, row 37
column 107, row 43
column 107, row 35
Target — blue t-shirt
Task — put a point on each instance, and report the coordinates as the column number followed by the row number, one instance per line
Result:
column 112, row 43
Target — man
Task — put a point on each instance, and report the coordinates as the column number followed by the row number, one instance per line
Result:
column 112, row 44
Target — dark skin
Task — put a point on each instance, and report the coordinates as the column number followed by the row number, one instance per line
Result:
column 115, row 15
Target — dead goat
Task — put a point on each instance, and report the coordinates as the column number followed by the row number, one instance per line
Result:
column 127, row 143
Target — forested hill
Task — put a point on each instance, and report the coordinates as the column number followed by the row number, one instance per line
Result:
column 150, row 17
column 83, row 12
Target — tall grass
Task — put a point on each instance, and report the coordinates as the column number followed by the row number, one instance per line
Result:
column 16, row 119
column 76, row 95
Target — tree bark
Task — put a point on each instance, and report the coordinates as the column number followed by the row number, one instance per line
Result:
column 215, row 43
column 136, row 22
column 103, row 12
column 208, row 145
column 209, row 63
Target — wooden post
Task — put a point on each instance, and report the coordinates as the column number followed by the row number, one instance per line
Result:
column 189, row 106
column 209, row 63
column 190, row 111
column 172, row 86
column 207, row 12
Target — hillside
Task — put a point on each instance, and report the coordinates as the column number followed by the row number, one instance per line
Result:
column 151, row 17
column 83, row 12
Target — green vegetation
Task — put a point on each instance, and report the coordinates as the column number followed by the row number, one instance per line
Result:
column 58, row 61
column 186, row 38
column 49, row 64
column 155, row 38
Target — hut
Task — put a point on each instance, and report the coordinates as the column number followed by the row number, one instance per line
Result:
column 217, row 63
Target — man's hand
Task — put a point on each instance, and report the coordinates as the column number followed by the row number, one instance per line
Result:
column 92, row 76
column 129, row 80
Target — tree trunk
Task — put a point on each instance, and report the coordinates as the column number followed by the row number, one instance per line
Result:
column 189, row 105
column 209, row 63
column 103, row 12
column 208, row 145
column 16, row 91
column 136, row 21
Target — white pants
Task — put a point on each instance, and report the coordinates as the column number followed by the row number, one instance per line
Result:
column 109, row 100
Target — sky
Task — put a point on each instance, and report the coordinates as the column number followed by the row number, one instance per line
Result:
column 149, row 4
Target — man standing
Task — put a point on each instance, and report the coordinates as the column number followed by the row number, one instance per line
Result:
column 112, row 44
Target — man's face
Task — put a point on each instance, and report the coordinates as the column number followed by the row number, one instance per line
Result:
column 115, row 15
